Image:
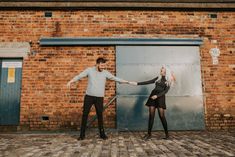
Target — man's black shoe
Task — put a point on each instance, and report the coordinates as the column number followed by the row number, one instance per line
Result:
column 81, row 138
column 104, row 137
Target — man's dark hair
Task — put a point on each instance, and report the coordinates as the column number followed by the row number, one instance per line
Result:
column 100, row 60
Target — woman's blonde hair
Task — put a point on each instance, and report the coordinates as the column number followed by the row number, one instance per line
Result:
column 170, row 77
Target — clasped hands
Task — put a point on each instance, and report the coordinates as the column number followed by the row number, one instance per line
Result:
column 132, row 83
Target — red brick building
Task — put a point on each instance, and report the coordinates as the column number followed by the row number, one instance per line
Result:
column 56, row 40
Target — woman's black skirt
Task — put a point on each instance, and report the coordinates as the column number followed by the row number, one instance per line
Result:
column 159, row 102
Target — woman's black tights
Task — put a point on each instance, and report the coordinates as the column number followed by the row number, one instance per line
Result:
column 161, row 114
column 151, row 118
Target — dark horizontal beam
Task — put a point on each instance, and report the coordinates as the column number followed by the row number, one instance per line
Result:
column 104, row 41
column 145, row 1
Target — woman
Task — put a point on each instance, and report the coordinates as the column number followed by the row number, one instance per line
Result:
column 157, row 98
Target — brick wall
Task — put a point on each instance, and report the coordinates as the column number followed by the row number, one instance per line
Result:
column 44, row 90
column 46, row 73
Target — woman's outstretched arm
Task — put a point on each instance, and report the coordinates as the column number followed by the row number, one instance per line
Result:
column 147, row 82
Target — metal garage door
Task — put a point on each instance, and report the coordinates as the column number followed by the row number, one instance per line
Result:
column 184, row 101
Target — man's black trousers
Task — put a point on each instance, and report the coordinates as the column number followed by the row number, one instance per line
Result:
column 88, row 102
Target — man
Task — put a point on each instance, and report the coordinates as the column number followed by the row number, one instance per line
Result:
column 97, row 76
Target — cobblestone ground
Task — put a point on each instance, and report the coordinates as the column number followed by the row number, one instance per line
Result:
column 119, row 144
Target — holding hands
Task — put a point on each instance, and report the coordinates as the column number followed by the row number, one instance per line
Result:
column 132, row 83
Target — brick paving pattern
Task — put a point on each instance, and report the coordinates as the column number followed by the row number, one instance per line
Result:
column 119, row 144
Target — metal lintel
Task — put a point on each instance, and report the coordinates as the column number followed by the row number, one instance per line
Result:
column 104, row 41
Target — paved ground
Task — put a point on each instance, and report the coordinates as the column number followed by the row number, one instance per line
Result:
column 119, row 144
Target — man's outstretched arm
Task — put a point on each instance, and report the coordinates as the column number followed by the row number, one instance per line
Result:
column 112, row 77
column 78, row 77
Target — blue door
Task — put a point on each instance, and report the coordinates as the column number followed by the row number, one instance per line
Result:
column 10, row 91
column 184, row 101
